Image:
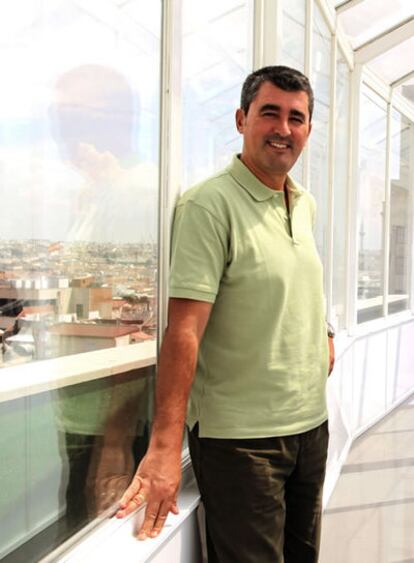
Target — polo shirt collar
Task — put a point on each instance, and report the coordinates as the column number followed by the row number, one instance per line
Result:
column 250, row 182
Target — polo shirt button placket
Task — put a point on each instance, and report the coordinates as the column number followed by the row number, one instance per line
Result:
column 292, row 230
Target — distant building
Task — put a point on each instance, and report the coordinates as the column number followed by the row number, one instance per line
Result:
column 76, row 338
column 83, row 300
column 83, row 281
column 80, row 299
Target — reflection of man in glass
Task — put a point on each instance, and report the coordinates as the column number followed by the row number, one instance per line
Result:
column 246, row 318
column 103, row 422
column 94, row 115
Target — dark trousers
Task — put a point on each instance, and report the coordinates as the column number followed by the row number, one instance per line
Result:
column 262, row 497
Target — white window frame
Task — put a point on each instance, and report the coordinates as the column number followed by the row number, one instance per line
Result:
column 393, row 101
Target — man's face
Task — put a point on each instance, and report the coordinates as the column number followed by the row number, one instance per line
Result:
column 275, row 130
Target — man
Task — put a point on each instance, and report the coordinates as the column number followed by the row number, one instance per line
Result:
column 246, row 316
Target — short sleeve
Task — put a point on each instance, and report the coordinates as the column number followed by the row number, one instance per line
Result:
column 198, row 253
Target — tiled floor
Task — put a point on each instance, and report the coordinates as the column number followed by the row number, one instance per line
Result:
column 370, row 516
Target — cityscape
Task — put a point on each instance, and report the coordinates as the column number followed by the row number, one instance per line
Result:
column 62, row 298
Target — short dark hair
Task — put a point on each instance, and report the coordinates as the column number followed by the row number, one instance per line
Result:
column 284, row 77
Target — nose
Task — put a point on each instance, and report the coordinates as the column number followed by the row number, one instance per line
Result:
column 282, row 127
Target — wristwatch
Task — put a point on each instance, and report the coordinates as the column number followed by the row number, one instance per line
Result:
column 330, row 329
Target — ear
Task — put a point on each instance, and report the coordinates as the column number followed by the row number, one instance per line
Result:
column 240, row 120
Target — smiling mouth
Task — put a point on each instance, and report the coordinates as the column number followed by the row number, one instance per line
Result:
column 279, row 145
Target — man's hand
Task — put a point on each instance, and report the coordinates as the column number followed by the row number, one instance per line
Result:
column 158, row 476
column 331, row 354
column 156, row 482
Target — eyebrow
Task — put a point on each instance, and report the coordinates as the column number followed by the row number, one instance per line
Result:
column 274, row 107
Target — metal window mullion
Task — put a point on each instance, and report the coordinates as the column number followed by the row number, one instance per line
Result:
column 170, row 161
column 387, row 224
column 348, row 223
column 328, row 13
column 353, row 196
column 272, row 29
column 345, row 46
column 258, row 34
column 376, row 83
column 387, row 212
column 308, row 36
column 385, row 41
column 267, row 32
column 308, row 72
column 411, row 218
column 400, row 81
column 331, row 180
column 403, row 105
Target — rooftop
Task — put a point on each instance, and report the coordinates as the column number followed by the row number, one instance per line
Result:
column 91, row 330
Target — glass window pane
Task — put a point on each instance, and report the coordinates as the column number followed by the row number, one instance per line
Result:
column 79, row 177
column 293, row 34
column 394, row 63
column 407, row 89
column 401, row 217
column 79, row 143
column 67, row 456
column 370, row 18
column 319, row 139
column 216, row 59
column 371, row 205
column 341, row 189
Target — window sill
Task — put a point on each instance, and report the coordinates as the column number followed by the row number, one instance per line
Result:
column 36, row 377
column 115, row 537
column 344, row 340
column 383, row 323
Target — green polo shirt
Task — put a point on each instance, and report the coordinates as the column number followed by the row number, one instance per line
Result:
column 263, row 360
